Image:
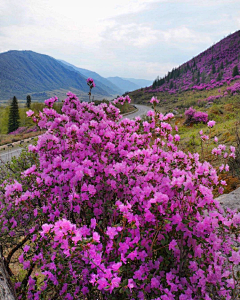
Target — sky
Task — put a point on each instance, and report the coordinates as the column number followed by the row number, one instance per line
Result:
column 127, row 38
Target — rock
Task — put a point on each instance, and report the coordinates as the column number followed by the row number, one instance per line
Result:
column 231, row 200
column 6, row 287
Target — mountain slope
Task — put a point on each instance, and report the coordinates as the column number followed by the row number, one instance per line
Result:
column 99, row 80
column 27, row 72
column 124, row 84
column 141, row 83
column 210, row 69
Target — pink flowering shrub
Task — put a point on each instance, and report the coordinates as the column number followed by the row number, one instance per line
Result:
column 108, row 212
column 200, row 117
column 18, row 131
column 25, row 129
column 193, row 116
column 32, row 129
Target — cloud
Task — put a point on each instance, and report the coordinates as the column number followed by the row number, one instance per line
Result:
column 140, row 36
column 132, row 34
column 183, row 35
column 117, row 37
column 150, row 69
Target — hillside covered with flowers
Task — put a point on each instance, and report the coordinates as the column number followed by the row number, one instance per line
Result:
column 212, row 68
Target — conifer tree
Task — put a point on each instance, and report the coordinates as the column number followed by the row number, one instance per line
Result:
column 213, row 69
column 219, row 77
column 235, row 71
column 29, row 100
column 13, row 120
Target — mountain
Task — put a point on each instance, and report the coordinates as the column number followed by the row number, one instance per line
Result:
column 212, row 68
column 141, row 83
column 114, row 85
column 98, row 79
column 28, row 72
column 124, row 84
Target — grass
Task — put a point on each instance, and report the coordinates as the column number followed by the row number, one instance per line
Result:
column 225, row 111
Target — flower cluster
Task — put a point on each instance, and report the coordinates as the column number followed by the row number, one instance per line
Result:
column 48, row 102
column 114, row 210
column 194, row 116
column 121, row 100
column 91, row 82
column 154, row 100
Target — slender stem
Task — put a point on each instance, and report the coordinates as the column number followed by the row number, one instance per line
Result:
column 15, row 249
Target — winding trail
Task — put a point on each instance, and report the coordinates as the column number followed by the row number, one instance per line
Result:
column 142, row 110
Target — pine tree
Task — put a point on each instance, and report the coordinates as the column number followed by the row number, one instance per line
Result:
column 213, row 69
column 29, row 100
column 219, row 77
column 235, row 71
column 13, row 120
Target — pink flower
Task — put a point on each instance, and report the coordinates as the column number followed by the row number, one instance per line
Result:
column 26, row 264
column 93, row 223
column 211, row 123
column 111, row 232
column 96, row 237
column 130, row 284
column 21, row 258
column 102, row 283
column 172, row 245
column 46, row 228
column 51, row 101
column 91, row 82
column 26, row 248
column 116, row 266
column 235, row 257
column 114, row 283
column 154, row 100
column 205, row 137
column 29, row 113
column 177, row 137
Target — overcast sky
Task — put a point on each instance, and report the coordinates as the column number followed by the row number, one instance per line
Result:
column 126, row 38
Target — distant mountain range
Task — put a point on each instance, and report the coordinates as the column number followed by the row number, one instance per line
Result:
column 42, row 76
column 212, row 68
column 115, row 84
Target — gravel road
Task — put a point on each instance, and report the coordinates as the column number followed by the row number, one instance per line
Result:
column 142, row 110
column 8, row 154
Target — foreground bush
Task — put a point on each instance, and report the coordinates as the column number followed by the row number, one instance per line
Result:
column 113, row 210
